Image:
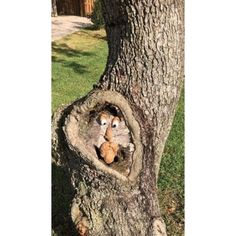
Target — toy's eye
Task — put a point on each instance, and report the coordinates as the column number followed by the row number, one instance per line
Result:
column 115, row 122
column 103, row 119
column 103, row 122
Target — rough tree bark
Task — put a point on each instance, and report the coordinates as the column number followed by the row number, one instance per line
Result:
column 143, row 78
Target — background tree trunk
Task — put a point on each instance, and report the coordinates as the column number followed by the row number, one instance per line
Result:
column 54, row 8
column 146, row 66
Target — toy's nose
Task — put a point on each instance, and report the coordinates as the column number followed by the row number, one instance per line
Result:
column 108, row 134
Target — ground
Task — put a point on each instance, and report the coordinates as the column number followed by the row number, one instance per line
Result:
column 64, row 25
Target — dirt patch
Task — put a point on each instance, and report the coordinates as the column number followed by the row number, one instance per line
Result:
column 64, row 25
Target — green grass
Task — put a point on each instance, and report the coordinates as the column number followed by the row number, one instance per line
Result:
column 171, row 176
column 78, row 60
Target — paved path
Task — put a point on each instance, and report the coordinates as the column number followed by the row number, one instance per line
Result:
column 63, row 25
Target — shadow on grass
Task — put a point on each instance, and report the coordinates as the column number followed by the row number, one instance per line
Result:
column 92, row 28
column 62, row 195
column 64, row 51
column 78, row 68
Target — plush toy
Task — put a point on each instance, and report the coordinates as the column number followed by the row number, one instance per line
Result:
column 110, row 135
column 108, row 151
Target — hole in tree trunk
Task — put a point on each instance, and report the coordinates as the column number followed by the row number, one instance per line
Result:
column 109, row 135
column 103, row 131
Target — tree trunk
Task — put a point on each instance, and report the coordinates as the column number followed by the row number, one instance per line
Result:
column 142, row 79
column 54, row 8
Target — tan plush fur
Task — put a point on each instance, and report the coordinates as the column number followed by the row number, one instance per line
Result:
column 109, row 149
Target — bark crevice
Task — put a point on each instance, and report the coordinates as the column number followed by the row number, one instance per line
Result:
column 77, row 122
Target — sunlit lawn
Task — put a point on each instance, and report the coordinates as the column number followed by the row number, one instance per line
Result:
column 78, row 60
